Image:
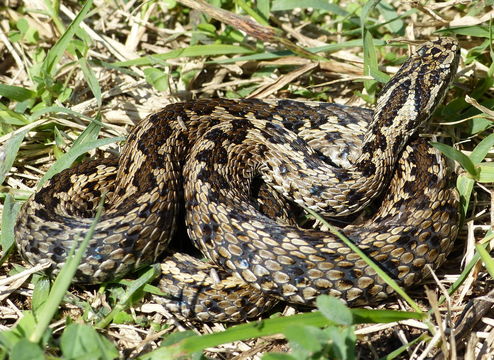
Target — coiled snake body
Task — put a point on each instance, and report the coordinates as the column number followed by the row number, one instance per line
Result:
column 330, row 158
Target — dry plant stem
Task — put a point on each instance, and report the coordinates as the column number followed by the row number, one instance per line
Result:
column 12, row 50
column 249, row 26
column 446, row 329
column 432, row 14
column 282, row 81
column 243, row 23
column 471, row 315
column 486, row 111
column 433, row 301
column 448, row 4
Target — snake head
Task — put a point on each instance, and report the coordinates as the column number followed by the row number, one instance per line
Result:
column 412, row 95
column 433, row 67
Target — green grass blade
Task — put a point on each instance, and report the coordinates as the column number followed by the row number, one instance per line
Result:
column 464, row 185
column 9, row 152
column 458, row 156
column 123, row 303
column 63, row 280
column 486, row 173
column 56, row 52
column 9, row 214
column 67, row 159
column 191, row 51
column 59, row 109
column 371, row 66
column 486, row 258
column 85, row 142
column 402, row 349
column 368, row 316
column 282, row 53
column 283, row 5
column 91, row 80
column 267, row 327
column 463, row 276
column 391, row 282
column 251, row 12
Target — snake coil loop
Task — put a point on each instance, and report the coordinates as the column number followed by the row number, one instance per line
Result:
column 209, row 154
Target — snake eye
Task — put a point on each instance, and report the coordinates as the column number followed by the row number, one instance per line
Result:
column 421, row 52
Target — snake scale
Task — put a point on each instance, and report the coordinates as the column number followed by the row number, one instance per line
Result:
column 211, row 155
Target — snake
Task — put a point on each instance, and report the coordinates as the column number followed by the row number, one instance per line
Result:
column 237, row 168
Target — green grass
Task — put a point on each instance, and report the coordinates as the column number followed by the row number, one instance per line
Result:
column 70, row 87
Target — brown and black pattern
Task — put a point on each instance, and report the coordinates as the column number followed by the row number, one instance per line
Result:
column 211, row 154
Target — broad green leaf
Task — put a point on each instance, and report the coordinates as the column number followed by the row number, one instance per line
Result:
column 169, row 4
column 80, row 341
column 343, row 342
column 23, row 25
column 24, row 328
column 41, row 292
column 26, row 350
column 121, row 317
column 334, row 310
column 157, row 78
column 395, row 24
column 16, row 93
column 309, row 338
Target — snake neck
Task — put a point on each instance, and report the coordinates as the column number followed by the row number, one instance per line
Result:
column 405, row 103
